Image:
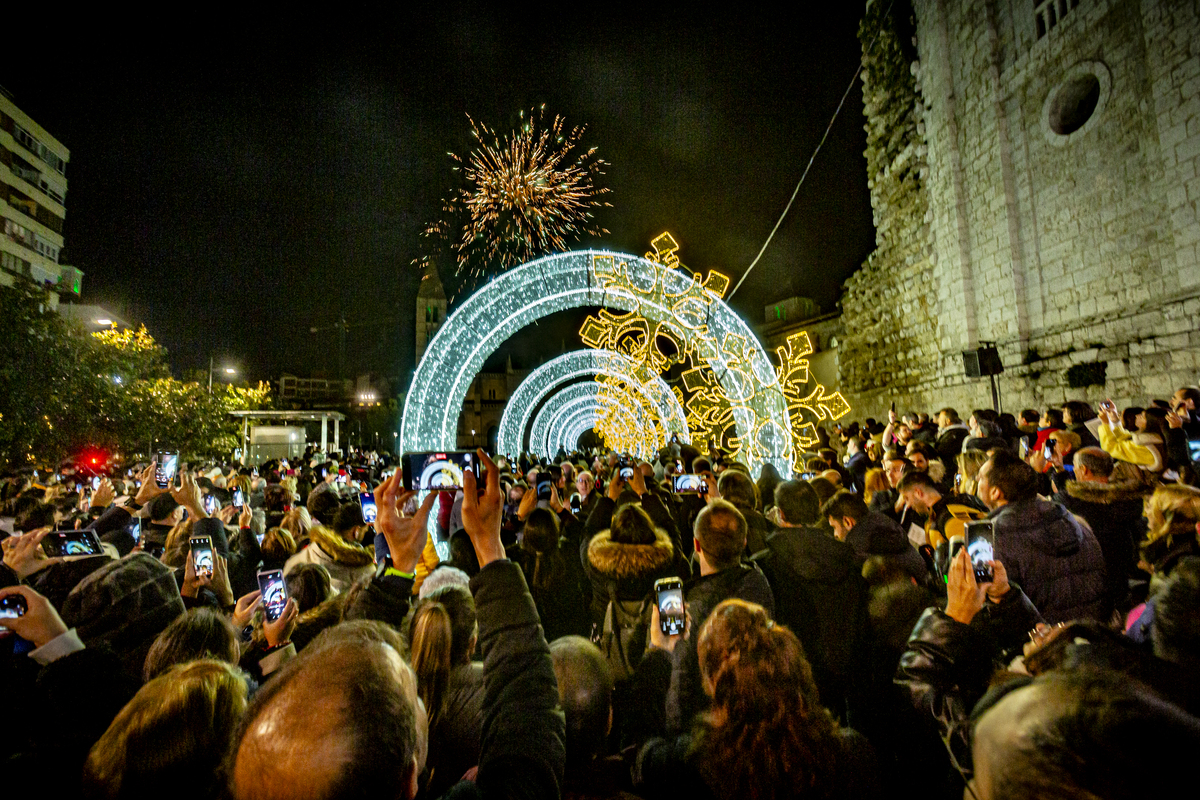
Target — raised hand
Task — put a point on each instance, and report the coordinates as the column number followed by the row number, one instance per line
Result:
column 189, row 496
column 103, row 497
column 482, row 513
column 243, row 610
column 965, row 597
column 149, row 489
column 280, row 631
column 40, row 623
column 405, row 535
column 23, row 554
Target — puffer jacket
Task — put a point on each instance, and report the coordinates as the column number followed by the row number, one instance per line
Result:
column 347, row 562
column 1057, row 561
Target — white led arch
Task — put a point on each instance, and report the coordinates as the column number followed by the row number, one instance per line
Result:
column 630, row 436
column 578, row 428
column 578, row 398
column 518, row 412
column 719, row 337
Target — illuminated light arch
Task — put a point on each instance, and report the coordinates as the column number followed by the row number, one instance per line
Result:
column 692, row 310
column 580, row 398
column 579, row 426
column 578, row 364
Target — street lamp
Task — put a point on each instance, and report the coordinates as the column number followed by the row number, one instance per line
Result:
column 228, row 371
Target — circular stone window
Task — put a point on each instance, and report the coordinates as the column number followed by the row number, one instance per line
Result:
column 1073, row 107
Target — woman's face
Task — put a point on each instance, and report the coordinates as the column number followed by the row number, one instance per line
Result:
column 1067, row 416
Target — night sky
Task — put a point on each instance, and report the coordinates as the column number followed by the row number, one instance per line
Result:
column 236, row 181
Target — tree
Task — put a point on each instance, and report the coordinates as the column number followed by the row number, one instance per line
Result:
column 62, row 389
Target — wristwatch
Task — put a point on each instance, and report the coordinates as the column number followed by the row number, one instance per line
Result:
column 132, row 504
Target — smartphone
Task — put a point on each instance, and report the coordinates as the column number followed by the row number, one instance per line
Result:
column 439, row 472
column 72, row 543
column 211, row 503
column 981, row 539
column 239, row 498
column 669, row 595
column 893, row 407
column 1023, row 449
column 12, row 606
column 202, row 554
column 807, row 476
column 135, row 529
column 274, row 593
column 164, row 471
column 369, row 510
column 1048, row 450
column 95, row 483
column 544, row 486
column 690, row 484
column 576, row 505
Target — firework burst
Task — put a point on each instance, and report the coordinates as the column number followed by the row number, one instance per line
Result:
column 525, row 194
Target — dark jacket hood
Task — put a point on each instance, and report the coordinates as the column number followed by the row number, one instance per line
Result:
column 741, row 581
column 813, row 555
column 1058, row 533
column 617, row 561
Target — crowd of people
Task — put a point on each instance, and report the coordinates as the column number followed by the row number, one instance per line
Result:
column 1007, row 607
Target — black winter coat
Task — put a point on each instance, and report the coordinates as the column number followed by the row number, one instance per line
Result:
column 686, row 696
column 1114, row 512
column 821, row 596
column 1055, row 560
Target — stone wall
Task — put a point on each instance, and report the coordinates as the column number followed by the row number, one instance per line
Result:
column 1066, row 249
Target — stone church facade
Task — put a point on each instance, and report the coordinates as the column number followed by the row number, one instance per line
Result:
column 1034, row 168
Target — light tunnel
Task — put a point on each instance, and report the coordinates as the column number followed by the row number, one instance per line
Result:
column 720, row 338
column 518, row 413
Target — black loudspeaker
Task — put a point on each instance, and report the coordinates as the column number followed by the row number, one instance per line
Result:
column 984, row 361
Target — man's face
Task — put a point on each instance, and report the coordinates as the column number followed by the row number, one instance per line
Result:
column 893, row 470
column 916, row 500
column 983, row 487
column 943, row 420
column 583, row 486
column 903, row 433
column 919, row 462
column 841, row 527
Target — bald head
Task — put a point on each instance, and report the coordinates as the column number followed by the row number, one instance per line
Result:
column 585, row 685
column 342, row 720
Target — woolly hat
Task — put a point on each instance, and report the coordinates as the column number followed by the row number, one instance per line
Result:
column 125, row 604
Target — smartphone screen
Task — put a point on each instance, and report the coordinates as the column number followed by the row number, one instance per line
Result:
column 981, row 548
column 164, row 472
column 807, row 476
column 669, row 592
column 95, row 483
column 135, row 529
column 71, row 543
column 576, row 505
column 1048, row 450
column 438, row 472
column 211, row 503
column 239, row 498
column 1023, row 449
column 12, row 606
column 369, row 510
column 690, row 484
column 544, row 486
column 274, row 593
column 202, row 554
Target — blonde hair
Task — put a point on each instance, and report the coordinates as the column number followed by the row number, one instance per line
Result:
column 174, row 732
column 874, row 481
column 1171, row 514
column 969, row 463
column 175, row 550
column 278, row 543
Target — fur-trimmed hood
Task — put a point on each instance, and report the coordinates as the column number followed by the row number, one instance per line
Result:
column 617, row 561
column 1108, row 493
